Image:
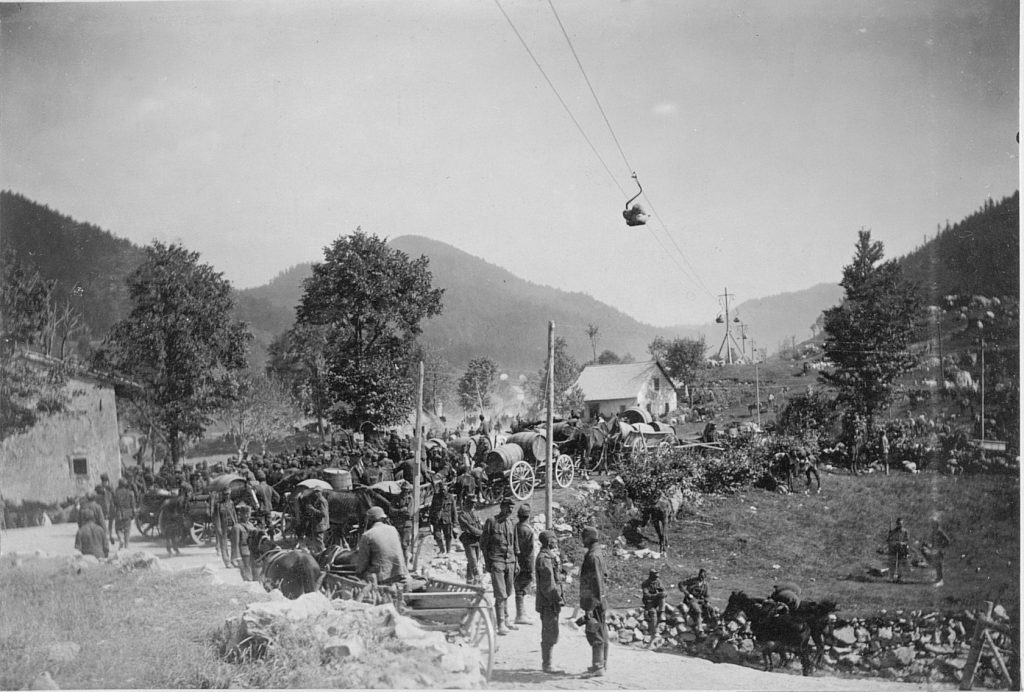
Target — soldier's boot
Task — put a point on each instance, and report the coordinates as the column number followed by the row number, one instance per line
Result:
column 499, row 621
column 545, row 657
column 521, row 616
column 596, row 669
column 508, row 621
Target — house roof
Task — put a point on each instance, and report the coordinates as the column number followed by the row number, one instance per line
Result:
column 619, row 381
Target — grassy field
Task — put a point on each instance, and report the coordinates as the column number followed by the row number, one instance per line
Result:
column 135, row 630
column 827, row 542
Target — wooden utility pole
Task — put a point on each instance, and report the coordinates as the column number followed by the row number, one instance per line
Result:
column 551, row 425
column 418, row 453
column 757, row 392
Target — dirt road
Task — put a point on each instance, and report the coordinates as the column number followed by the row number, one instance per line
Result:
column 517, row 661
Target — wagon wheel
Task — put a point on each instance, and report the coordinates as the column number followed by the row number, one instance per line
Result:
column 521, row 480
column 664, row 447
column 480, row 633
column 564, row 469
column 201, row 532
column 148, row 526
column 638, row 448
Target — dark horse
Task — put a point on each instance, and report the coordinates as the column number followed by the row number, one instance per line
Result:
column 295, row 572
column 772, row 632
column 818, row 616
column 348, row 509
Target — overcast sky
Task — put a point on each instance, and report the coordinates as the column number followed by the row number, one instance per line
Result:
column 765, row 133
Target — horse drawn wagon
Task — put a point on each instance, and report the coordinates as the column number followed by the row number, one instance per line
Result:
column 522, row 461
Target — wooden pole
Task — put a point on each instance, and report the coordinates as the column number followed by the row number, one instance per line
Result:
column 974, row 655
column 418, row 454
column 551, row 425
column 757, row 392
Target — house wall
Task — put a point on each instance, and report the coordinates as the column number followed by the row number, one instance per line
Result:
column 39, row 463
column 651, row 399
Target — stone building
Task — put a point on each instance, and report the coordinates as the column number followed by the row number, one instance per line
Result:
column 611, row 389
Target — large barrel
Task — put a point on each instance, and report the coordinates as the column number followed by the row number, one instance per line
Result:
column 463, row 445
column 502, row 458
column 534, row 444
column 635, row 415
column 340, row 479
column 562, row 431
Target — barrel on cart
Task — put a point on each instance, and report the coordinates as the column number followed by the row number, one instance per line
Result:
column 522, row 461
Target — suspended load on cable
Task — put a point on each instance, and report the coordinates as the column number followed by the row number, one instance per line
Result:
column 635, row 215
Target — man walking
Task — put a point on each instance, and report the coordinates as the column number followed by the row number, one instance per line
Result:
column 593, row 601
column 501, row 551
column 898, row 545
column 470, row 531
column 524, row 566
column 549, row 600
column 222, row 509
column 125, row 510
column 442, row 517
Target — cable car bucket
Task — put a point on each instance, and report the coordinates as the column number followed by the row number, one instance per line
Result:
column 635, row 215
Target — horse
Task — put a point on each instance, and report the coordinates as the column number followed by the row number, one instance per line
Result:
column 772, row 632
column 295, row 572
column 347, row 509
column 818, row 616
column 661, row 513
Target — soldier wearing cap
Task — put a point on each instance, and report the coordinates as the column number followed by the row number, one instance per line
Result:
column 653, row 595
column 240, row 554
column 593, row 601
column 500, row 551
column 549, row 599
column 379, row 551
column 524, row 562
column 470, row 531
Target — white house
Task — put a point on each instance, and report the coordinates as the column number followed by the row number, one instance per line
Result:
column 611, row 389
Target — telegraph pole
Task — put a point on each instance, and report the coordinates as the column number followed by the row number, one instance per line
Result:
column 418, row 453
column 551, row 425
column 728, row 341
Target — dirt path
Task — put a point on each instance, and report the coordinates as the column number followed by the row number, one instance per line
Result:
column 517, row 662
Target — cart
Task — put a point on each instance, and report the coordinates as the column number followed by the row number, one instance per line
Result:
column 147, row 520
column 522, row 462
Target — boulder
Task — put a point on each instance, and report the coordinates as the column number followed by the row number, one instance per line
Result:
column 727, row 652
column 626, row 636
column 845, row 636
column 630, row 622
column 898, row 657
column 885, row 633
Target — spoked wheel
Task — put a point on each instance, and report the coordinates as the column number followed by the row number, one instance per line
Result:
column 564, row 470
column 664, row 447
column 480, row 632
column 521, row 480
column 148, row 526
column 202, row 533
column 638, row 448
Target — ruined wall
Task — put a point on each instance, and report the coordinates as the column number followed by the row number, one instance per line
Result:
column 63, row 455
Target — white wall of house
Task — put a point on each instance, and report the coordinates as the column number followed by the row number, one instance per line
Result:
column 63, row 455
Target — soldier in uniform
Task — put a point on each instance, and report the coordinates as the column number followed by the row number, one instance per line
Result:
column 240, row 554
column 653, row 595
column 695, row 596
column 125, row 509
column 442, row 517
column 470, row 531
column 898, row 544
column 524, row 566
column 549, row 599
column 593, row 601
column 222, row 509
column 501, row 550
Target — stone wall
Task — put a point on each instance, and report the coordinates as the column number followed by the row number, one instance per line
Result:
column 40, row 464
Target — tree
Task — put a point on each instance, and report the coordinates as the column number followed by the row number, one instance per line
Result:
column 867, row 337
column 437, row 379
column 25, row 390
column 608, row 358
column 476, row 384
column 178, row 342
column 592, row 334
column 371, row 299
column 682, row 358
column 298, row 359
column 261, row 410
column 568, row 397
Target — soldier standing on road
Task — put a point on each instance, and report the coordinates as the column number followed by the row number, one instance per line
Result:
column 593, row 602
column 501, row 551
column 222, row 509
column 898, row 545
column 524, row 566
column 241, row 532
column 442, row 517
column 125, row 509
column 470, row 531
column 549, row 599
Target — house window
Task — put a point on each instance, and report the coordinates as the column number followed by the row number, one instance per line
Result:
column 657, row 384
column 622, row 408
column 79, row 466
column 595, row 411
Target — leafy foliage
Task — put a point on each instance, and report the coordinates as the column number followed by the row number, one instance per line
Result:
column 869, row 334
column 806, row 412
column 297, row 358
column 682, row 358
column 476, row 384
column 568, row 397
column 179, row 342
column 371, row 298
column 262, row 410
column 437, row 378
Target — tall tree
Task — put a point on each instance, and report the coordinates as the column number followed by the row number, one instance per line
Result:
column 608, row 357
column 178, row 342
column 867, row 337
column 477, row 384
column 298, row 359
column 263, row 409
column 592, row 334
column 682, row 358
column 25, row 390
column 437, row 378
column 371, row 299
column 568, row 397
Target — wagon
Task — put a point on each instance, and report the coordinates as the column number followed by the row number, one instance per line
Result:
column 522, row 461
column 147, row 521
column 631, row 440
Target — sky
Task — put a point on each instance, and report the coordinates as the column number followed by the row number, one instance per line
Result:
column 765, row 134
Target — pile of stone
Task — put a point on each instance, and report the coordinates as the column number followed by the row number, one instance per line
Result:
column 674, row 630
column 351, row 639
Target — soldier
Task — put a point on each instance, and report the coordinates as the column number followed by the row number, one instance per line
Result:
column 470, row 531
column 549, row 599
column 653, row 596
column 442, row 517
column 935, row 550
column 898, row 545
column 125, row 509
column 524, row 565
column 91, row 538
column 593, row 601
column 695, row 596
column 240, row 554
column 222, row 509
column 501, row 550
column 401, row 515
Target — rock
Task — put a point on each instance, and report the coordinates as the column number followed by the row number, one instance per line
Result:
column 44, row 681
column 845, row 635
column 638, row 635
column 885, row 633
column 63, row 652
column 850, row 659
column 727, row 652
column 347, row 647
column 412, row 634
column 999, row 613
column 745, row 645
column 630, row 623
column 862, row 634
column 626, row 636
column 957, row 663
column 563, row 528
column 898, row 657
